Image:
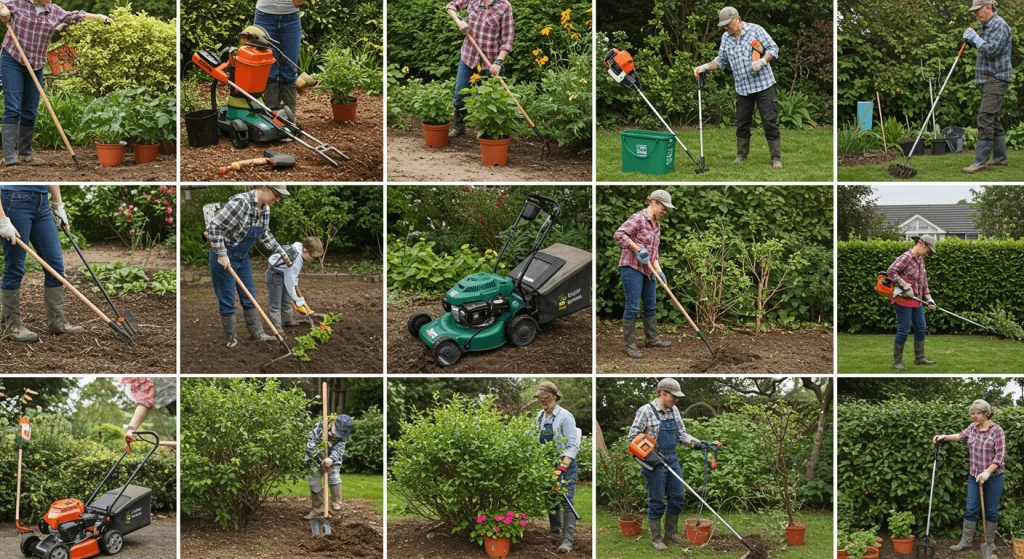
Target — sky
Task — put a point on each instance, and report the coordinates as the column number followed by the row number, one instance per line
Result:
column 922, row 194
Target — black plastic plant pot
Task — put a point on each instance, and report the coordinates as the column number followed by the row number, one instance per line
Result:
column 907, row 145
column 939, row 146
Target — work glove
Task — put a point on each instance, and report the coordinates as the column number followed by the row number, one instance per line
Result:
column 7, row 230
column 938, row 439
column 129, row 435
column 756, row 66
column 903, row 291
column 463, row 27
column 59, row 215
column 643, row 256
column 701, row 69
column 971, row 35
column 701, row 445
column 983, row 476
column 559, row 474
column 224, row 261
column 930, row 302
column 663, row 278
column 300, row 303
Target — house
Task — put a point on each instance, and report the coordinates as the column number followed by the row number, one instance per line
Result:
column 938, row 220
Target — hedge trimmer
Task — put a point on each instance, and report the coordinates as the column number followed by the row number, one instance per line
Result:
column 888, row 288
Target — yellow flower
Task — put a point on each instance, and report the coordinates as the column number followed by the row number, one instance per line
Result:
column 536, row 52
column 588, row 23
column 575, row 36
column 583, row 80
column 478, row 68
column 567, row 26
column 405, row 69
column 465, row 246
column 542, row 60
column 422, row 239
column 474, row 78
column 546, row 31
column 588, row 10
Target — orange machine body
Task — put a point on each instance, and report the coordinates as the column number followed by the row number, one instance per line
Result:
column 642, row 445
column 88, row 548
column 624, row 60
column 252, row 68
column 65, row 510
column 884, row 286
column 758, row 49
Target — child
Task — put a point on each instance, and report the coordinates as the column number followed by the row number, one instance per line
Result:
column 282, row 280
column 337, row 438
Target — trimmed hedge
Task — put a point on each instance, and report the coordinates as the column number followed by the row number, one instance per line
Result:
column 963, row 276
column 885, row 462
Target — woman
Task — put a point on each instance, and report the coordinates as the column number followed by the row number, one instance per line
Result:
column 987, row 446
column 639, row 238
column 661, row 420
column 24, row 213
column 232, row 232
column 149, row 394
column 912, row 281
column 558, row 425
column 491, row 24
column 34, row 22
column 280, row 19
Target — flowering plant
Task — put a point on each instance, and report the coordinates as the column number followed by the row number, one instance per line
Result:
column 509, row 524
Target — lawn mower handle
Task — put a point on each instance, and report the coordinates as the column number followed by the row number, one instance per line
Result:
column 546, row 200
column 127, row 450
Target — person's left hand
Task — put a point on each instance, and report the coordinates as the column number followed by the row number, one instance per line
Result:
column 756, row 66
column 971, row 35
column 983, row 476
column 495, row 70
column 700, row 445
column 930, row 302
column 298, row 3
column 129, row 436
column 60, row 217
column 327, row 463
column 664, row 279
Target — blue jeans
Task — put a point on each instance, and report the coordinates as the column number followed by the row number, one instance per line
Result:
column 224, row 285
column 637, row 287
column 287, row 30
column 278, row 295
column 30, row 214
column 462, row 80
column 993, row 492
column 571, row 473
column 660, row 482
column 21, row 98
column 907, row 316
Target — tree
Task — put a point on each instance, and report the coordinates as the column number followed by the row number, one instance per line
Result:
column 1000, row 213
column 823, row 391
column 857, row 215
column 761, row 259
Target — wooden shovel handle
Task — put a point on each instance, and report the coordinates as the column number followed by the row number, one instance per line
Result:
column 245, row 290
column 61, row 279
column 503, row 84
column 323, row 396
column 39, row 86
column 237, row 165
column 674, row 300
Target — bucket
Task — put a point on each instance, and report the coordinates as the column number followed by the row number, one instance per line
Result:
column 201, row 127
column 865, row 110
column 648, row 151
column 954, row 138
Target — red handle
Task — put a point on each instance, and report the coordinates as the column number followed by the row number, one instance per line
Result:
column 962, row 47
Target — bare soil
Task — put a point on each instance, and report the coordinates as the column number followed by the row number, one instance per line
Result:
column 161, row 258
column 159, row 540
column 362, row 141
column 942, row 551
column 761, row 546
column 417, row 538
column 774, row 352
column 57, row 165
column 870, row 158
column 563, row 346
column 279, row 532
column 409, row 159
column 356, row 345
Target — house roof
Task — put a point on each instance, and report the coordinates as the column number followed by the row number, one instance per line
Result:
column 953, row 218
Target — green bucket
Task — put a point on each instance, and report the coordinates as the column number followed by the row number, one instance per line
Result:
column 648, row 152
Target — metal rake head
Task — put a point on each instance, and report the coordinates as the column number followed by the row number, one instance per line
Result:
column 900, row 171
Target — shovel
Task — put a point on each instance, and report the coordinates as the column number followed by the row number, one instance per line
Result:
column 319, row 525
column 273, row 330
column 988, row 550
column 273, row 159
column 925, row 548
column 127, row 319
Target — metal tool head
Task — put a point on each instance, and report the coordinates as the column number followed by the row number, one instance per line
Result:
column 546, row 150
column 74, row 157
column 320, row 527
column 280, row 160
column 924, row 549
column 128, row 319
column 122, row 332
column 900, row 171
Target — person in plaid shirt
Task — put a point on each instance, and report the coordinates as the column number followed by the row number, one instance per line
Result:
column 490, row 22
column 34, row 22
column 232, row 232
column 911, row 280
column 993, row 72
column 315, row 460
column 755, row 82
column 639, row 238
column 986, row 443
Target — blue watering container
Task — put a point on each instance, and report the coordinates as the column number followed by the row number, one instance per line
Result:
column 865, row 110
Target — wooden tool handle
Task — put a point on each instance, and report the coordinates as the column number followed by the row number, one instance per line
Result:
column 503, row 84
column 39, row 86
column 245, row 290
column 237, row 165
column 61, row 279
column 323, row 395
column 673, row 297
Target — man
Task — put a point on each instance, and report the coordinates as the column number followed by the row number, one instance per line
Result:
column 490, row 22
column 661, row 420
column 993, row 73
column 755, row 82
column 911, row 278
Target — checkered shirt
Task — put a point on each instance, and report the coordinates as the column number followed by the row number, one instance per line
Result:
column 643, row 231
column 233, row 221
column 739, row 54
column 986, row 447
column 492, row 27
column 314, row 446
column 993, row 57
column 910, row 269
column 648, row 421
column 35, row 28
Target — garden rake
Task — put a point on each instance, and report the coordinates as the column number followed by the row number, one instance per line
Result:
column 24, row 435
column 681, row 309
column 320, row 526
column 127, row 319
column 925, row 548
column 273, row 330
column 904, row 170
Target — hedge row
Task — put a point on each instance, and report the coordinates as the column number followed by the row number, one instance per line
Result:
column 963, row 276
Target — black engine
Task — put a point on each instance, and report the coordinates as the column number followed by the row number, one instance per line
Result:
column 74, row 531
column 479, row 314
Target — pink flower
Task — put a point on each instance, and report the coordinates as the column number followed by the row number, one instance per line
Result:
column 508, row 519
column 480, row 519
column 127, row 213
column 170, row 210
column 170, row 191
column 522, row 523
column 169, row 221
column 163, row 188
column 497, row 529
column 498, row 518
column 167, row 202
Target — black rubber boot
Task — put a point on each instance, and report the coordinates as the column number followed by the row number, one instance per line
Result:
column 629, row 339
column 25, row 134
column 255, row 325
column 775, row 147
column 742, row 150
column 568, row 533
column 967, row 538
column 651, row 335
column 555, row 522
column 999, row 158
column 272, row 95
column 10, row 141
column 230, row 335
column 897, row 357
column 672, row 530
column 53, row 298
column 656, row 541
column 11, row 318
column 289, row 96
column 919, row 358
column 459, row 124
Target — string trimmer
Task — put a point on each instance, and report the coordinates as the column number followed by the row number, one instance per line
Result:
column 621, row 68
column 681, row 309
column 925, row 549
column 127, row 320
column 888, row 288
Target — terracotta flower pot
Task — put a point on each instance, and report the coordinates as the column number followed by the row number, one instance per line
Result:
column 871, row 553
column 494, row 152
column 795, row 533
column 345, row 112
column 146, row 153
column 903, row 546
column 110, row 155
column 698, row 534
column 631, row 527
column 842, row 554
column 496, row 547
column 1018, row 548
column 436, row 135
column 167, row 147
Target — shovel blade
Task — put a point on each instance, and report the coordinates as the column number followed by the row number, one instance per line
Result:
column 131, row 322
column 320, row 527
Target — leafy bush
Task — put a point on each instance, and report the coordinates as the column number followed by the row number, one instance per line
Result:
column 239, row 439
column 163, row 9
column 490, row 110
column 69, row 108
column 463, row 457
column 344, row 70
column 431, row 103
column 1000, row 321
column 344, row 218
column 584, row 460
column 796, row 111
column 109, row 118
column 365, row 449
column 953, row 274
column 561, row 104
column 119, row 278
column 901, row 524
column 417, row 267
column 620, row 484
column 854, row 141
column 154, row 119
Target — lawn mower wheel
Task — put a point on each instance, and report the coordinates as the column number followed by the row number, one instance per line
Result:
column 522, row 330
column 28, row 543
column 112, row 542
column 446, row 352
column 416, row 321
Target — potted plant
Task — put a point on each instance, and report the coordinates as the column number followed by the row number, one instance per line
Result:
column 841, row 544
column 938, row 142
column 431, row 104
column 855, row 547
column 907, row 142
column 343, row 71
column 169, row 131
column 773, row 423
column 863, row 540
column 497, row 532
column 699, row 533
column 617, row 473
column 108, row 120
column 150, row 120
column 900, row 526
column 492, row 112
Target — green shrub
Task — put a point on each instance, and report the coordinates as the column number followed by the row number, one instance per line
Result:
column 240, row 439
column 364, row 452
column 69, row 108
column 854, row 141
column 154, row 119
column 432, row 102
column 561, row 104
column 490, row 110
column 119, row 278
column 620, row 485
column 344, row 70
column 163, row 9
column 417, row 267
column 463, row 457
column 901, row 524
column 584, row 460
column 797, row 111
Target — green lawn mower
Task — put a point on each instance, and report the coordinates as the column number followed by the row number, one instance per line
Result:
column 485, row 310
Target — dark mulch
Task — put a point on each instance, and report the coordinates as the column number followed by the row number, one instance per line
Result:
column 416, row 538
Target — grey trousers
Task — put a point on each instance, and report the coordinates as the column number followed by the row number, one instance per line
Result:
column 990, row 125
column 767, row 103
column 316, row 479
column 279, row 297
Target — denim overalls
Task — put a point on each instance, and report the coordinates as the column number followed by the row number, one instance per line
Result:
column 659, row 481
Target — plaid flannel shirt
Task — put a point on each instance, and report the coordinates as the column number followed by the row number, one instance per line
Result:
column 233, row 221
column 648, row 421
column 492, row 27
column 986, row 447
column 993, row 57
column 643, row 231
column 739, row 54
column 911, row 270
column 314, row 452
column 35, row 27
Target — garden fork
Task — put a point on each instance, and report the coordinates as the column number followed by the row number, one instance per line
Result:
column 925, row 549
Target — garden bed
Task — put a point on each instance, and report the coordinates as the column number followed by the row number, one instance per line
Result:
column 355, row 346
column 775, row 352
column 562, row 346
column 417, row 538
column 409, row 159
column 159, row 540
column 942, row 548
column 361, row 141
column 57, row 165
column 279, row 531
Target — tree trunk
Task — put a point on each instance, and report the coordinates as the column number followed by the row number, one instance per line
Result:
column 824, row 404
column 599, row 438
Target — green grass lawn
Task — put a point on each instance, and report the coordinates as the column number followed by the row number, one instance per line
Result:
column 353, row 486
column 931, row 168
column 583, row 501
column 819, row 541
column 870, row 353
column 806, row 156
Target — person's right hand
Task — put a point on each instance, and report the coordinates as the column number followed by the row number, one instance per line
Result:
column 938, row 439
column 300, row 302
column 129, row 436
column 463, row 26
column 328, row 463
column 298, row 3
column 7, row 230
column 701, row 69
column 643, row 256
column 224, row 261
